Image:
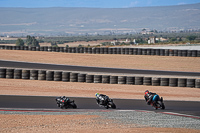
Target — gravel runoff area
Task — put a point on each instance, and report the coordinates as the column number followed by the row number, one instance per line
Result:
column 114, row 121
column 109, row 121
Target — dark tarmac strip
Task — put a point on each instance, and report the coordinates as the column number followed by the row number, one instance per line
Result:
column 89, row 104
column 29, row 65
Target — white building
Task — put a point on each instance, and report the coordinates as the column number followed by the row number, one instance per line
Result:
column 152, row 40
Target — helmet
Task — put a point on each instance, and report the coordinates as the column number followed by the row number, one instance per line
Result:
column 62, row 96
column 146, row 92
column 96, row 94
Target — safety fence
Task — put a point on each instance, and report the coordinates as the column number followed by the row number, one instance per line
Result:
column 50, row 75
column 111, row 50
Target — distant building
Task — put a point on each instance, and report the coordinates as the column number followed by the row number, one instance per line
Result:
column 163, row 39
column 114, row 42
column 152, row 40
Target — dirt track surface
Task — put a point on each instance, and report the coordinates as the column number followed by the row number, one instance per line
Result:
column 167, row 63
column 85, row 123
column 71, row 89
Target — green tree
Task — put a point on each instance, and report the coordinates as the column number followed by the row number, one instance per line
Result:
column 35, row 42
column 54, row 44
column 192, row 37
column 31, row 41
column 173, row 39
column 80, row 45
column 180, row 39
column 19, row 42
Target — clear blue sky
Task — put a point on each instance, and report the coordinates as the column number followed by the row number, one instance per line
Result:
column 93, row 3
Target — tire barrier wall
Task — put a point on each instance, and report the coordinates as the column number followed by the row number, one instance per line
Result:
column 89, row 78
column 49, row 75
column 33, row 74
column 17, row 74
column 147, row 81
column 105, row 79
column 57, row 76
column 127, row 51
column 64, row 76
column 41, row 75
column 97, row 78
column 25, row 74
column 9, row 73
column 81, row 77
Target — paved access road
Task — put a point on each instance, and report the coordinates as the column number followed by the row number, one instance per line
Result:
column 40, row 102
column 29, row 65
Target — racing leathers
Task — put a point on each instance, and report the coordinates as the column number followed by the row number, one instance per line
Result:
column 101, row 99
column 148, row 97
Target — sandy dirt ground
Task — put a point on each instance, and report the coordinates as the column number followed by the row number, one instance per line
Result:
column 76, row 44
column 71, row 89
column 168, row 63
column 86, row 123
column 73, row 123
column 71, row 44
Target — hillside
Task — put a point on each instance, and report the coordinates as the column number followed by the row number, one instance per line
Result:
column 60, row 20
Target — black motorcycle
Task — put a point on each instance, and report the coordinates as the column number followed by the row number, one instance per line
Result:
column 65, row 103
column 158, row 104
column 107, row 103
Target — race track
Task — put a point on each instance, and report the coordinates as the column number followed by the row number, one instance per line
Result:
column 30, row 65
column 42, row 103
column 39, row 102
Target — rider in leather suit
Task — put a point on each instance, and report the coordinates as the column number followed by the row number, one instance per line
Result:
column 149, row 97
column 100, row 98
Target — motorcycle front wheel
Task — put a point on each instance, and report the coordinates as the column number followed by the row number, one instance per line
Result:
column 73, row 105
column 161, row 104
column 112, row 105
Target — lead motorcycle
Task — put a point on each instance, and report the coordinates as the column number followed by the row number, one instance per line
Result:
column 107, row 103
column 65, row 103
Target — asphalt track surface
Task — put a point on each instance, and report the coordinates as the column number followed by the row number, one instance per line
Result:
column 87, row 104
column 29, row 65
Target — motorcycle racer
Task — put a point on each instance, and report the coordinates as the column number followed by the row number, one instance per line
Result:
column 100, row 98
column 151, row 97
column 65, row 102
column 64, row 98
